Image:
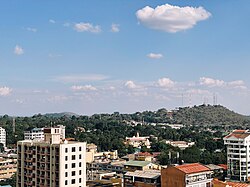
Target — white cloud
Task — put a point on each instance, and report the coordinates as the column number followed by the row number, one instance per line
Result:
column 84, row 88
column 81, row 78
column 4, row 91
column 211, row 82
column 155, row 55
column 170, row 18
column 31, row 29
column 130, row 85
column 115, row 28
column 166, row 83
column 18, row 50
column 87, row 27
column 52, row 21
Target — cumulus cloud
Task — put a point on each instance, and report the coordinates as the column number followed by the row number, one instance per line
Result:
column 206, row 81
column 52, row 21
column 84, row 88
column 170, row 18
column 81, row 78
column 155, row 55
column 115, row 28
column 130, row 85
column 31, row 29
column 4, row 91
column 87, row 27
column 166, row 83
column 18, row 50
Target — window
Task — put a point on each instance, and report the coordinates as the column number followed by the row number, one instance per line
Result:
column 80, row 172
column 80, row 180
column 66, row 182
column 73, row 165
column 66, row 174
column 80, row 164
column 73, row 149
column 73, row 173
column 66, row 158
column 73, row 181
column 66, row 166
column 80, row 156
column 80, row 148
column 73, row 157
column 66, row 150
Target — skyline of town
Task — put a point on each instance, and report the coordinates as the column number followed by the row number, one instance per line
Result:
column 143, row 55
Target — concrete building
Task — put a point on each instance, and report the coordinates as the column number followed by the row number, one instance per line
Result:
column 187, row 175
column 181, row 144
column 3, row 136
column 38, row 133
column 53, row 162
column 150, row 178
column 137, row 141
column 8, row 167
column 238, row 155
column 140, row 165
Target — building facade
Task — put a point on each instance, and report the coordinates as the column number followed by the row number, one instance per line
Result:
column 238, row 155
column 53, row 162
column 187, row 175
column 3, row 136
column 38, row 133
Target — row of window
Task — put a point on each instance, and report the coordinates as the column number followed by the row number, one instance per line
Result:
column 73, row 165
column 73, row 181
column 73, row 157
column 73, row 149
column 73, row 173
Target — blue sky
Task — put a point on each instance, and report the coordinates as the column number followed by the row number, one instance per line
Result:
column 105, row 56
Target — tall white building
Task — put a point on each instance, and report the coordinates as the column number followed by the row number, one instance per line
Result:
column 37, row 133
column 3, row 136
column 53, row 162
column 238, row 155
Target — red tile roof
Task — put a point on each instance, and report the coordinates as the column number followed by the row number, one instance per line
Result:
column 240, row 134
column 192, row 168
column 143, row 154
column 229, row 184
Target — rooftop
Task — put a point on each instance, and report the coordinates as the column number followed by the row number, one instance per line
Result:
column 154, row 174
column 137, row 163
column 214, row 167
column 230, row 184
column 192, row 168
column 239, row 134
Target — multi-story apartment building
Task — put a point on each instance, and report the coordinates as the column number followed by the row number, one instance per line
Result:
column 187, row 175
column 8, row 168
column 53, row 162
column 37, row 133
column 3, row 136
column 238, row 155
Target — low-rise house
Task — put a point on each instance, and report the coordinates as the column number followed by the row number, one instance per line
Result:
column 137, row 141
column 144, row 156
column 187, row 175
column 181, row 144
column 149, row 178
column 140, row 165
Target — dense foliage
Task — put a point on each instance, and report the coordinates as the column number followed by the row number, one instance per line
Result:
column 108, row 131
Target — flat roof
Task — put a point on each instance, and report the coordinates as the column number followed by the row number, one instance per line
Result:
column 137, row 163
column 150, row 174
